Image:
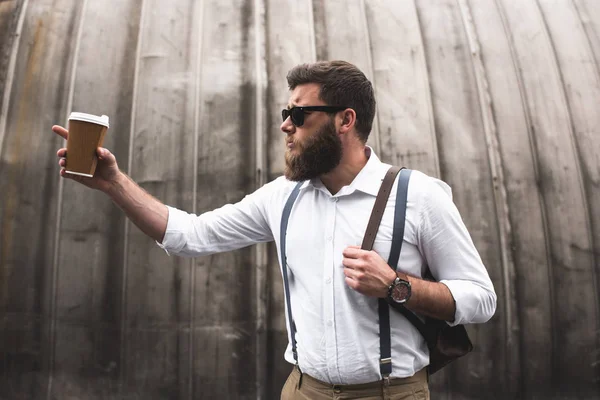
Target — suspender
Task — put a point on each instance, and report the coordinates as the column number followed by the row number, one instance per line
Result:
column 286, row 287
column 385, row 364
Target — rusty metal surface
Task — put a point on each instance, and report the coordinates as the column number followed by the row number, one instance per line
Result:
column 497, row 97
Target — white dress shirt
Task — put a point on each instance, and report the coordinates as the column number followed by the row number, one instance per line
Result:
column 337, row 327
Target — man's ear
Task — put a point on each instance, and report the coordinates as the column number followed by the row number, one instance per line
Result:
column 348, row 119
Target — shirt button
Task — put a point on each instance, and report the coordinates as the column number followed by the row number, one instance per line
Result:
column 329, row 238
column 328, row 280
column 330, row 323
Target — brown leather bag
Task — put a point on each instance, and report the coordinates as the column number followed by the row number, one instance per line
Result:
column 446, row 343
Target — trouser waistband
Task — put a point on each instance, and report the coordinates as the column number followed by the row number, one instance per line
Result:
column 418, row 377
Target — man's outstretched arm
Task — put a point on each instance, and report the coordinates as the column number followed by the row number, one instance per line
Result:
column 143, row 209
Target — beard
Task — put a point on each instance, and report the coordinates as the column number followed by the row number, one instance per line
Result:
column 317, row 155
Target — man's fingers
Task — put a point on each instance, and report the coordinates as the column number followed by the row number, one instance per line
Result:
column 59, row 130
column 351, row 263
column 354, row 274
column 62, row 152
column 352, row 252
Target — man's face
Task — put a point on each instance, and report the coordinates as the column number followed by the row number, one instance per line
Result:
column 314, row 148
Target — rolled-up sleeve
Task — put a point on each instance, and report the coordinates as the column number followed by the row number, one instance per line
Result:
column 230, row 227
column 452, row 257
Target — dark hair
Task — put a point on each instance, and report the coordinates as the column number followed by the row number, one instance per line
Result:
column 342, row 84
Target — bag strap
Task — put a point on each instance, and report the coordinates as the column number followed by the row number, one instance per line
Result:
column 284, row 223
column 379, row 208
column 397, row 239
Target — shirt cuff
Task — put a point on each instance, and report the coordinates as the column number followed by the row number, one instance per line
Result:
column 174, row 239
column 466, row 301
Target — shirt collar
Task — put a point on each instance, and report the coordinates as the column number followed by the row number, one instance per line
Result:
column 367, row 181
column 370, row 177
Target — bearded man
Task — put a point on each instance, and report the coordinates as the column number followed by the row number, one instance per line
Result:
column 334, row 286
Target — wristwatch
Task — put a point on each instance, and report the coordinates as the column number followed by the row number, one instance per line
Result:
column 399, row 291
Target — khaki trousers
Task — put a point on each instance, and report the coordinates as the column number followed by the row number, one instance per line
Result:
column 301, row 386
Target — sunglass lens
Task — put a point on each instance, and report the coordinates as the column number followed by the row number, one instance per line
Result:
column 285, row 113
column 297, row 116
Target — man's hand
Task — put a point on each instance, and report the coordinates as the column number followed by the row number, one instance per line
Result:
column 366, row 272
column 107, row 169
column 146, row 212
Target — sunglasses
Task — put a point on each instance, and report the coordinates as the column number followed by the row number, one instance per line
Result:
column 297, row 113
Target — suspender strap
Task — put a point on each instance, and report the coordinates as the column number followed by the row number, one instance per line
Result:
column 397, row 239
column 284, row 223
column 385, row 366
column 399, row 218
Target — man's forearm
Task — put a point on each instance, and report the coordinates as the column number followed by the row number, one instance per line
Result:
column 432, row 299
column 144, row 210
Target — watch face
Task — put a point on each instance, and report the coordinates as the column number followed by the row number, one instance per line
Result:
column 401, row 292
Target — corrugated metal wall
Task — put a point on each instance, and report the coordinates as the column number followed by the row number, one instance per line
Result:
column 500, row 98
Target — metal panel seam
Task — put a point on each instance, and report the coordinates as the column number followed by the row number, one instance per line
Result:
column 498, row 182
column 261, row 255
column 54, row 294
column 369, row 54
column 10, row 72
column 578, row 164
column 536, row 167
column 197, row 114
column 136, row 70
column 435, row 150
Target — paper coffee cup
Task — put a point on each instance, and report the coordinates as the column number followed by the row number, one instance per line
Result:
column 86, row 134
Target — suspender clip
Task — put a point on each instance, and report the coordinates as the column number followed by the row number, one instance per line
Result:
column 386, row 381
column 385, row 366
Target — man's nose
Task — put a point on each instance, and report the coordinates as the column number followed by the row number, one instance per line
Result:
column 287, row 126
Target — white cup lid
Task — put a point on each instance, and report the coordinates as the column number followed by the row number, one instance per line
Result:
column 100, row 120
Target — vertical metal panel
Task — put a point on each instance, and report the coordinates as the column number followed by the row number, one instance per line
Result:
column 574, row 299
column 12, row 15
column 507, row 291
column 342, row 33
column 581, row 84
column 28, row 185
column 402, row 86
column 89, row 275
column 224, row 283
column 465, row 165
column 589, row 14
column 511, row 116
column 157, row 300
column 54, row 324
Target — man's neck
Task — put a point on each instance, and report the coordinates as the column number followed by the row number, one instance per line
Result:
column 351, row 164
